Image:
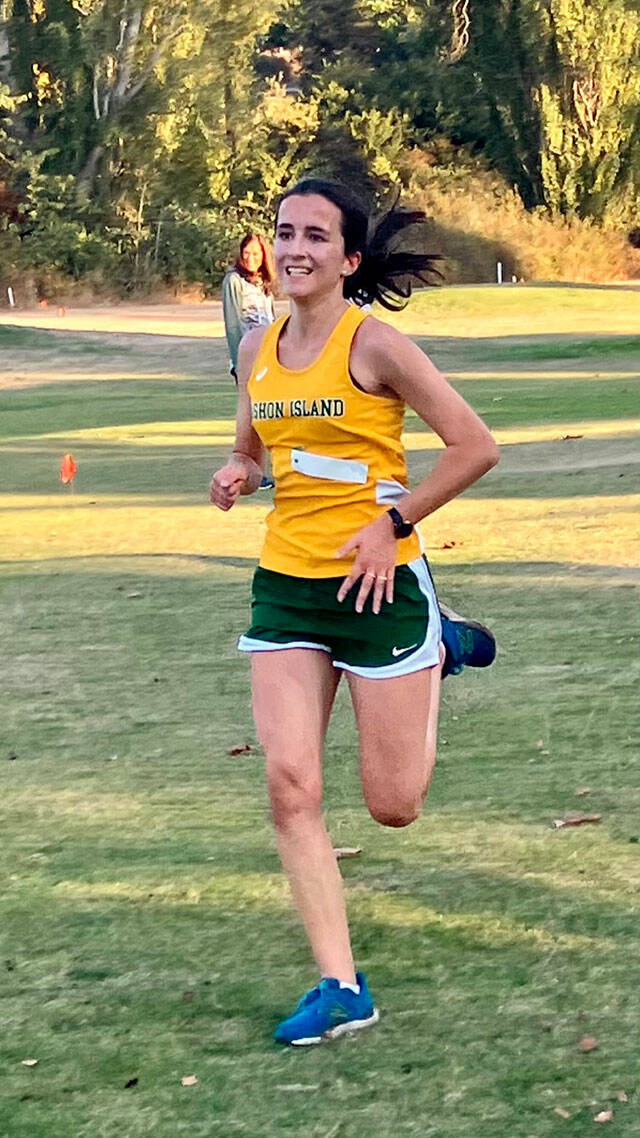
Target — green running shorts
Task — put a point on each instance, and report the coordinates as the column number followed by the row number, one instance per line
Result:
column 303, row 612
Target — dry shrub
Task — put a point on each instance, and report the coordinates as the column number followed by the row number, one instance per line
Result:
column 477, row 220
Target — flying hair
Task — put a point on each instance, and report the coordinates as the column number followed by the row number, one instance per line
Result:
column 386, row 271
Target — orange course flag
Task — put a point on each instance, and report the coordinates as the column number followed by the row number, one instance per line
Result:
column 68, row 469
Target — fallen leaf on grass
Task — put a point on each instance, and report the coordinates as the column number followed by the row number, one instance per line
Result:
column 451, row 544
column 566, row 437
column 298, row 1087
column 621, row 1096
column 132, row 1083
column 561, row 1112
column 347, row 851
column 130, row 596
column 28, row 1062
column 189, row 1080
column 604, row 1116
column 589, row 1043
column 575, row 820
column 243, row 750
column 582, row 790
column 540, row 744
column 188, row 997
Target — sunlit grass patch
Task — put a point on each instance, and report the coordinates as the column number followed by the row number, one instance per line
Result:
column 599, row 530
column 482, row 928
column 558, row 432
column 210, row 433
column 121, row 319
column 33, row 375
column 591, row 862
column 237, row 891
column 74, row 530
column 522, row 375
column 491, row 311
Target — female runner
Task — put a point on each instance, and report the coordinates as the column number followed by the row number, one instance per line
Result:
column 342, row 585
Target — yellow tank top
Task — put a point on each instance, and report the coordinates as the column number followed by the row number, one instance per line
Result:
column 337, row 457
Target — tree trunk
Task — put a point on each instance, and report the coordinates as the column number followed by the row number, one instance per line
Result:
column 5, row 57
column 88, row 173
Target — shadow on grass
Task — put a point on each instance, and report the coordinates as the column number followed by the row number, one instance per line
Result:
column 42, row 410
column 554, row 348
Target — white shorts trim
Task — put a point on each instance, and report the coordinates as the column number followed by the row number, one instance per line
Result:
column 388, row 492
column 427, row 654
column 249, row 644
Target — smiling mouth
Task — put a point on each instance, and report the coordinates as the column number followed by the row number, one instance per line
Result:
column 297, row 271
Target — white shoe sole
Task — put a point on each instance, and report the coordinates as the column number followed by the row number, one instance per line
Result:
column 341, row 1029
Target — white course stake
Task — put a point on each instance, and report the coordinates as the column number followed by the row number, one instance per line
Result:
column 12, row 299
column 499, row 272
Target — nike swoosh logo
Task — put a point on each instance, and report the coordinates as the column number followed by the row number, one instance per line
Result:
column 261, row 374
column 401, row 651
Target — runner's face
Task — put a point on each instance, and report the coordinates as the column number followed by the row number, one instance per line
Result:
column 309, row 247
column 251, row 255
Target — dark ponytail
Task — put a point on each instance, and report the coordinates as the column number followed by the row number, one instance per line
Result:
column 385, row 272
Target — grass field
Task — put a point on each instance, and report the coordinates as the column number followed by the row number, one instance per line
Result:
column 146, row 930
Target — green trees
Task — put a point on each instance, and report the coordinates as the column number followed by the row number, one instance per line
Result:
column 590, row 114
column 548, row 91
column 140, row 138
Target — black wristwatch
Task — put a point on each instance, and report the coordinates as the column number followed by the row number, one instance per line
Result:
column 400, row 527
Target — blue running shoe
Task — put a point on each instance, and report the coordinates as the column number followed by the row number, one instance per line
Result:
column 467, row 643
column 326, row 1012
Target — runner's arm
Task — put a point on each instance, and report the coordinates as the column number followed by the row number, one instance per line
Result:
column 247, row 447
column 242, row 472
column 391, row 361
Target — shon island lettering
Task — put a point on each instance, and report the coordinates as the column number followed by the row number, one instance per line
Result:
column 269, row 409
column 298, row 409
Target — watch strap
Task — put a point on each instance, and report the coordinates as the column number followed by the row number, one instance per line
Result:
column 401, row 528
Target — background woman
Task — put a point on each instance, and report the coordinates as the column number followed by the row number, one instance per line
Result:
column 342, row 585
column 247, row 299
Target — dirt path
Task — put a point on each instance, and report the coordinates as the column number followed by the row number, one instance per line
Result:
column 201, row 320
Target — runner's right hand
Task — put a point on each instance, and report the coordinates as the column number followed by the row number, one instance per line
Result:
column 227, row 484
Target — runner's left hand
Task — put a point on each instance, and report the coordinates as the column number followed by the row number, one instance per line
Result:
column 375, row 546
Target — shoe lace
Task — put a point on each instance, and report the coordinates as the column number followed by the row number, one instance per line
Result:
column 309, row 997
